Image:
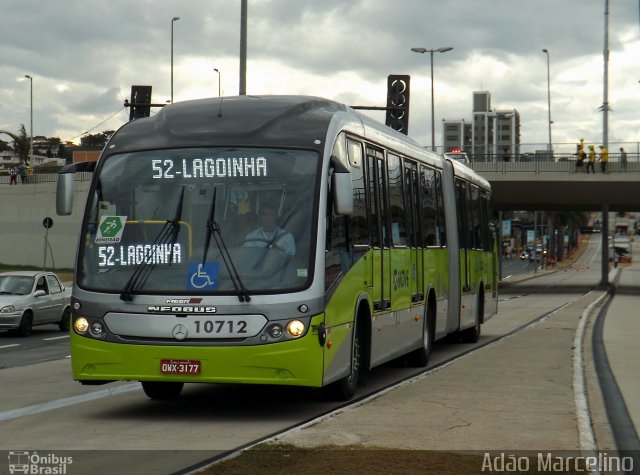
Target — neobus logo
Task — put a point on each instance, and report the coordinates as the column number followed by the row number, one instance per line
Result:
column 182, row 309
column 179, row 301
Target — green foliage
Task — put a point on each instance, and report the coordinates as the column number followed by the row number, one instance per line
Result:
column 97, row 141
column 22, row 144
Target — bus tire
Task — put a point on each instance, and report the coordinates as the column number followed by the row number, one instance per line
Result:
column 472, row 335
column 420, row 357
column 345, row 389
column 162, row 391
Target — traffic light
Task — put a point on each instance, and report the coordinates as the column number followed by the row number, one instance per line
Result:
column 398, row 102
column 140, row 102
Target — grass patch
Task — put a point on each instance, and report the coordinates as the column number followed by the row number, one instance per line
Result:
column 272, row 459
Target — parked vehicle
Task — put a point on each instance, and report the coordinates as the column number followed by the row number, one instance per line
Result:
column 29, row 298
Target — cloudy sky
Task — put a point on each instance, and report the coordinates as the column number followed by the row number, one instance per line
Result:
column 84, row 55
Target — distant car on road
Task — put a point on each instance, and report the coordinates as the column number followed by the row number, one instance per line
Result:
column 459, row 156
column 29, row 298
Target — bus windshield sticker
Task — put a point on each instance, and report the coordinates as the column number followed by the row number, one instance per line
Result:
column 203, row 276
column 110, row 229
column 222, row 167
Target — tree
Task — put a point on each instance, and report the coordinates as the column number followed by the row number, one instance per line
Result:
column 97, row 141
column 21, row 144
column 66, row 152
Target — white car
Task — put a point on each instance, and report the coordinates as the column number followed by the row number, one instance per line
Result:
column 29, row 298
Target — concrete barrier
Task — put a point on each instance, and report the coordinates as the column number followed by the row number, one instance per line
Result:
column 23, row 209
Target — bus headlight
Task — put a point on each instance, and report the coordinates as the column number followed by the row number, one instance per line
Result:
column 81, row 325
column 295, row 328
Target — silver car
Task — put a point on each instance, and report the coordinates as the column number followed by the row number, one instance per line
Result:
column 29, row 298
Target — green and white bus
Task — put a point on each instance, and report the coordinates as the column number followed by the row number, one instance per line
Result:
column 272, row 240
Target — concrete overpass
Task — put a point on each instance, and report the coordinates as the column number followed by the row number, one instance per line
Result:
column 556, row 186
column 546, row 186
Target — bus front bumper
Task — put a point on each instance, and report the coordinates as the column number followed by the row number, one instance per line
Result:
column 294, row 362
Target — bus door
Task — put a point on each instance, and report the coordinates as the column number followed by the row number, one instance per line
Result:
column 379, row 233
column 411, row 192
column 465, row 238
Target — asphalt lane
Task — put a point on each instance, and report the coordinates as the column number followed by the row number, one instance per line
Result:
column 46, row 343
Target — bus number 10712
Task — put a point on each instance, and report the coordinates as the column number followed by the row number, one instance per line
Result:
column 221, row 327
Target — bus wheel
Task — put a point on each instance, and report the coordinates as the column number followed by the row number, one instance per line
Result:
column 345, row 389
column 420, row 357
column 161, row 391
column 471, row 335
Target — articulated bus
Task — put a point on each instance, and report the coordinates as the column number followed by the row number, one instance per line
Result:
column 272, row 240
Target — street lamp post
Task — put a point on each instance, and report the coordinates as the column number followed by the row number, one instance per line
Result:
column 173, row 20
column 31, row 120
column 546, row 51
column 218, row 71
column 421, row 50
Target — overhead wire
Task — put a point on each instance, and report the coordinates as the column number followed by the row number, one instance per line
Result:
column 98, row 125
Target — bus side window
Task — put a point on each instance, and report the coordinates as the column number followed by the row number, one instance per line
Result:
column 412, row 193
column 338, row 256
column 396, row 201
column 429, row 208
column 476, row 216
column 359, row 221
column 441, row 224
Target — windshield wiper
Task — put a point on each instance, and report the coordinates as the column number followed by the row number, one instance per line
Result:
column 213, row 229
column 167, row 235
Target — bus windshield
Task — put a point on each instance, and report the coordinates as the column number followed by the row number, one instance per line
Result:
column 148, row 214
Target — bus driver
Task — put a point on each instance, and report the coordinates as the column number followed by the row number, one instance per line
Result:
column 269, row 234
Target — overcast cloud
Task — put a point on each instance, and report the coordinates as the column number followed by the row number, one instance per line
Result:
column 84, row 55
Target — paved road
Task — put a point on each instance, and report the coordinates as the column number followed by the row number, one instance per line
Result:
column 46, row 343
column 474, row 402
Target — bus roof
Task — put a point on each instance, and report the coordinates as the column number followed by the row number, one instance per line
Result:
column 230, row 121
column 467, row 173
column 273, row 120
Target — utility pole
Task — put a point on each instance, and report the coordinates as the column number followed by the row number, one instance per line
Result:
column 243, row 48
column 604, row 278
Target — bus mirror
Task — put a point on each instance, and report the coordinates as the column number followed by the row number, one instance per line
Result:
column 342, row 191
column 64, row 194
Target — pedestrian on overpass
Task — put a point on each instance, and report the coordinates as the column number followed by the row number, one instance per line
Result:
column 623, row 159
column 604, row 158
column 580, row 156
column 592, row 159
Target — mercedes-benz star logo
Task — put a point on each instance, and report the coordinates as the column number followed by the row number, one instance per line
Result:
column 179, row 332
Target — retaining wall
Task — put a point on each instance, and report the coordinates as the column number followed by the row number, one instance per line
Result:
column 22, row 211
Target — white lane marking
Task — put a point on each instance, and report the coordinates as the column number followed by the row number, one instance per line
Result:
column 55, row 338
column 10, row 346
column 586, row 435
column 67, row 401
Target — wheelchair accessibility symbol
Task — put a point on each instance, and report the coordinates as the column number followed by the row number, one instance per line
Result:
column 203, row 277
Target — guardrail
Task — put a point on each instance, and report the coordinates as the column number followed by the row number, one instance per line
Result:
column 46, row 176
column 551, row 167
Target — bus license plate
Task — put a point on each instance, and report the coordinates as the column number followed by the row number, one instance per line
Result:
column 180, row 366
